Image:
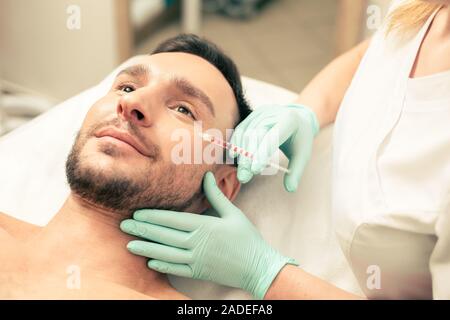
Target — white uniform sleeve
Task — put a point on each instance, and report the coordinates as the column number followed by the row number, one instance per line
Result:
column 440, row 257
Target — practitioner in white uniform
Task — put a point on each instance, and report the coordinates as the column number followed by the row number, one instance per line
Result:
column 390, row 100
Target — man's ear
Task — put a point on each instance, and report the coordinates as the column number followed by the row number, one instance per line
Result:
column 227, row 181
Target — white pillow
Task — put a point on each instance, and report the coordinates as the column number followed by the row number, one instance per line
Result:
column 33, row 187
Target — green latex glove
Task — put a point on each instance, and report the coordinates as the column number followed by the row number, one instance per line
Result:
column 227, row 249
column 296, row 127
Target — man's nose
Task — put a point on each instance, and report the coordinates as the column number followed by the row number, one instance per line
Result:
column 131, row 107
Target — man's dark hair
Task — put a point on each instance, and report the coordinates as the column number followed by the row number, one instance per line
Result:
column 190, row 43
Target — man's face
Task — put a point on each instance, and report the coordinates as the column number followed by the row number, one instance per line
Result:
column 121, row 159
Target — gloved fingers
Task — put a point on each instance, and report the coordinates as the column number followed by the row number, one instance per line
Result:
column 216, row 198
column 183, row 221
column 244, row 129
column 250, row 144
column 181, row 270
column 276, row 136
column 239, row 131
column 160, row 252
column 256, row 131
column 244, row 174
column 262, row 122
column 156, row 233
column 298, row 160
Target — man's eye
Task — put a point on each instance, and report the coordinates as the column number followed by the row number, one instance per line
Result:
column 126, row 88
column 185, row 110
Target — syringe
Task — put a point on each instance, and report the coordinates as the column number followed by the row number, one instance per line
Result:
column 229, row 146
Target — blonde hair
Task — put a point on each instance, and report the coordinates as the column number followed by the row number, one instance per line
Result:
column 410, row 16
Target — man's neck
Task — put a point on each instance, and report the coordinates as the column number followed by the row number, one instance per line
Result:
column 89, row 238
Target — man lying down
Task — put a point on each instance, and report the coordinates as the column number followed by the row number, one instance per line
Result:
column 120, row 162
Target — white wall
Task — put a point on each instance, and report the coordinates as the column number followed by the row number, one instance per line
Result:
column 39, row 52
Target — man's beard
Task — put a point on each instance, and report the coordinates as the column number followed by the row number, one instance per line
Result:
column 161, row 185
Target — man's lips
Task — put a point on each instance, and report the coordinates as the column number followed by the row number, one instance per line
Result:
column 122, row 136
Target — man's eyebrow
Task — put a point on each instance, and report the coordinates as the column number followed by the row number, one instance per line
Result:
column 136, row 71
column 189, row 89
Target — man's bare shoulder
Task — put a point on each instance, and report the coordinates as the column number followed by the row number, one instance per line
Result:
column 17, row 229
column 17, row 286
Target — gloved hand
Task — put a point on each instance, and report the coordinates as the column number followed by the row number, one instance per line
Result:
column 227, row 250
column 296, row 127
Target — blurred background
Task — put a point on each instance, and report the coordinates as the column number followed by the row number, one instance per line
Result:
column 51, row 50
